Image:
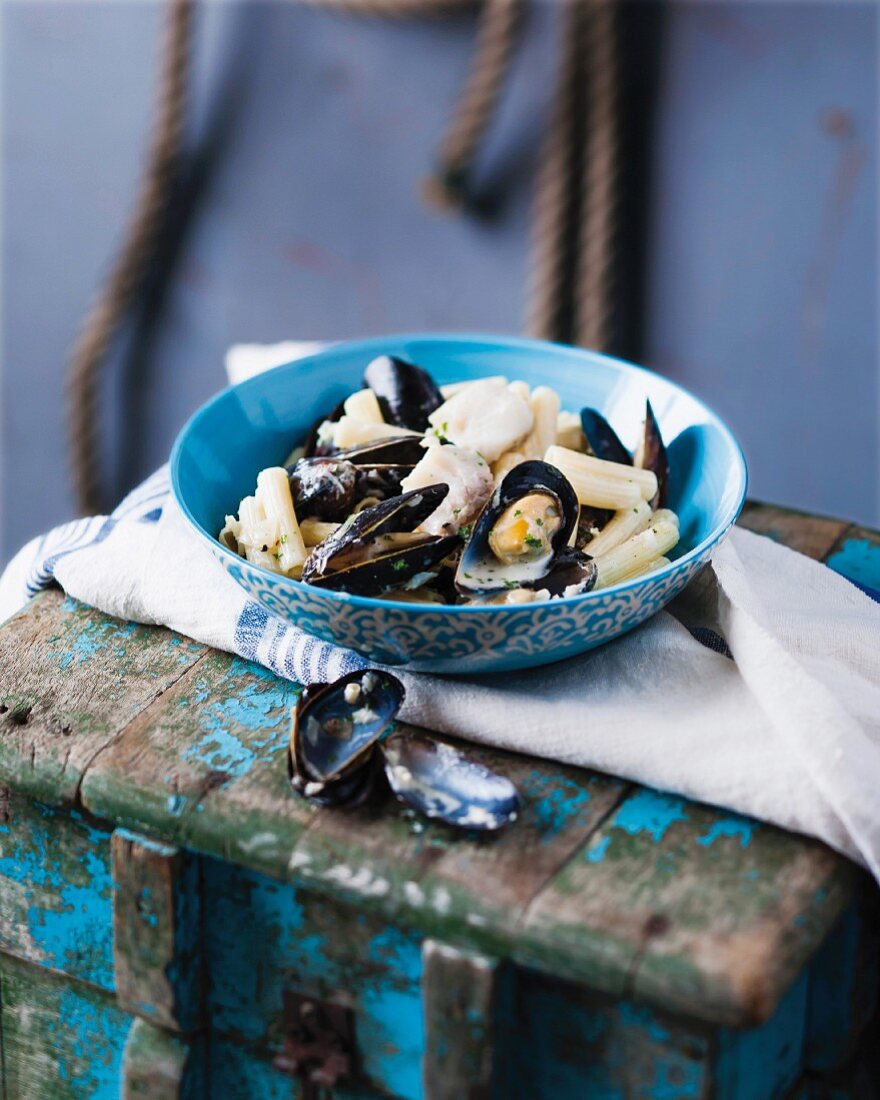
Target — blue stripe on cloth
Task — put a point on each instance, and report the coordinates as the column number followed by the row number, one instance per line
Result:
column 64, row 540
column 151, row 517
column 249, row 630
column 711, row 639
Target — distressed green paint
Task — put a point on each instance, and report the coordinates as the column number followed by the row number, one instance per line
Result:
column 61, row 1040
column 56, row 891
column 71, row 679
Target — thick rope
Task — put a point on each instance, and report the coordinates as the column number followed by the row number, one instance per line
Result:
column 594, row 277
column 115, row 299
column 555, row 202
column 499, row 23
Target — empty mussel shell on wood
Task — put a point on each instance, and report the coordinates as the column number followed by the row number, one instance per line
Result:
column 342, row 752
column 439, row 782
column 334, row 731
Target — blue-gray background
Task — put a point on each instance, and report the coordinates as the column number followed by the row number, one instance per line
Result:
column 762, row 276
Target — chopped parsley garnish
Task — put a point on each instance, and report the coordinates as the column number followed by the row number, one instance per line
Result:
column 511, row 584
column 277, row 556
column 539, row 522
column 531, row 540
column 283, row 539
column 399, row 565
column 465, row 530
column 468, row 576
column 518, row 512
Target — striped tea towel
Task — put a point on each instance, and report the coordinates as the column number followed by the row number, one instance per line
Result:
column 788, row 731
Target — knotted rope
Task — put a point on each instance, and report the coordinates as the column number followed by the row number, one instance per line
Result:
column 570, row 285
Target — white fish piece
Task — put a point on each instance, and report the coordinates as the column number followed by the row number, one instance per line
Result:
column 486, row 417
column 470, row 482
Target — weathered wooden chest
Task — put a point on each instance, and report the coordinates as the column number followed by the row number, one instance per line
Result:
column 173, row 923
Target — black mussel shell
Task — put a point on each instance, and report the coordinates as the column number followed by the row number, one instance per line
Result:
column 378, row 549
column 590, row 523
column 353, row 789
column 602, row 438
column 570, row 568
column 407, row 394
column 335, row 726
column 311, row 448
column 651, row 455
column 436, row 780
column 323, row 488
column 479, row 570
column 399, row 450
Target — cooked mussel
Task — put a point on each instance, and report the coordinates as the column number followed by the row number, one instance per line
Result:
column 407, row 395
column 334, row 733
column 571, row 573
column 651, row 455
column 323, row 488
column 525, row 525
column 329, row 488
column 602, row 438
column 378, row 549
column 439, row 782
column 590, row 523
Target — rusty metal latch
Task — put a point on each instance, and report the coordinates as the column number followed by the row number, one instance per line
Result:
column 318, row 1043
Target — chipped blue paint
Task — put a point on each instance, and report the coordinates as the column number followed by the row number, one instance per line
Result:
column 858, row 560
column 735, row 826
column 596, row 853
column 91, row 1044
column 71, row 930
column 649, row 811
column 312, row 945
column 94, row 636
column 176, row 804
column 258, row 703
column 560, row 803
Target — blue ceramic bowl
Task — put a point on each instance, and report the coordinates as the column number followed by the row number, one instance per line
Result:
column 255, row 424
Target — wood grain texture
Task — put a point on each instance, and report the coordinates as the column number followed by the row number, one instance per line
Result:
column 158, row 1065
column 811, row 535
column 157, row 932
column 56, row 890
column 61, row 1039
column 70, row 680
column 458, row 1000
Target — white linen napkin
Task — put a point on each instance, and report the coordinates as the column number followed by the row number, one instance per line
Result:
column 788, row 731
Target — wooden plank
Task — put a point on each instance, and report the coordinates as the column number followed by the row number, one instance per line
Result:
column 691, row 908
column 56, row 890
column 157, row 931
column 451, row 885
column 158, row 1065
column 61, row 1038
column 811, row 535
column 459, row 991
column 223, row 727
column 70, row 680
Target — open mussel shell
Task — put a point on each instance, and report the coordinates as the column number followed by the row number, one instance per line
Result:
column 602, row 438
column 571, row 573
column 379, row 549
column 590, row 523
column 323, row 488
column 335, row 725
column 407, row 395
column 439, row 782
column 526, row 523
column 651, row 455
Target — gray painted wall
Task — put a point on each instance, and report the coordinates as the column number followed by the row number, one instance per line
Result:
column 763, row 251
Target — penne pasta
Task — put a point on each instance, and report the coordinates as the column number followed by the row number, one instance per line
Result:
column 505, row 464
column 521, row 389
column 622, row 526
column 350, row 432
column 544, row 403
column 637, row 554
column 569, row 433
column 273, row 492
column 602, row 484
column 314, row 531
column 363, row 405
